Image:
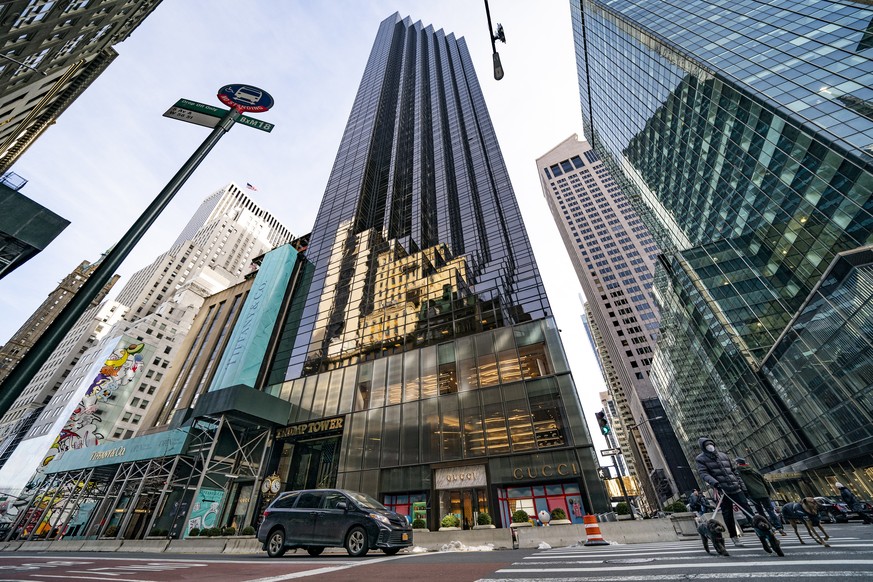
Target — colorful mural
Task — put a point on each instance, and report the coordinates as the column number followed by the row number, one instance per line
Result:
column 84, row 425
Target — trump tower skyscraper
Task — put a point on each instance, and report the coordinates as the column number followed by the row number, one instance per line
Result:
column 424, row 366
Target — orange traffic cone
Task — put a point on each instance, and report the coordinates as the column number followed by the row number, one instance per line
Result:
column 592, row 530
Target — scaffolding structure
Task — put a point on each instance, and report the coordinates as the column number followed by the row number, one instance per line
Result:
column 129, row 499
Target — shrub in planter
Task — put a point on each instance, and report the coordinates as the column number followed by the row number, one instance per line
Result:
column 419, row 524
column 450, row 520
column 483, row 519
column 228, row 531
column 520, row 516
column 194, row 532
column 622, row 508
column 214, row 531
column 676, row 507
column 248, row 531
column 559, row 513
column 204, row 533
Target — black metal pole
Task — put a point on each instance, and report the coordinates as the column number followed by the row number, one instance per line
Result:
column 623, row 489
column 490, row 28
column 15, row 383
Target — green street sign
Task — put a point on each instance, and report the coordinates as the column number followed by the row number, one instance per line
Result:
column 213, row 112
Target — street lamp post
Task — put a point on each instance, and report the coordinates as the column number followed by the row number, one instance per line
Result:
column 498, row 68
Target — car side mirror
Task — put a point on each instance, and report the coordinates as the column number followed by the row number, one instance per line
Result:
column 342, row 505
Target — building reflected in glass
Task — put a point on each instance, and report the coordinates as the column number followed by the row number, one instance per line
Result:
column 426, row 369
column 743, row 133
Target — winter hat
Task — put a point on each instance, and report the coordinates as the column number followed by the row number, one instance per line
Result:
column 838, row 485
column 740, row 461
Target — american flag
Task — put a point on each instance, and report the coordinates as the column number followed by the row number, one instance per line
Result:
column 250, row 187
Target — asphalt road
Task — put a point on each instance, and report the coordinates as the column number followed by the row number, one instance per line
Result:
column 850, row 557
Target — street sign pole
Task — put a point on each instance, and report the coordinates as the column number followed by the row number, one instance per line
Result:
column 623, row 489
column 37, row 355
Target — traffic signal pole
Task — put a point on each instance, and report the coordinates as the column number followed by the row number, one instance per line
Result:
column 21, row 375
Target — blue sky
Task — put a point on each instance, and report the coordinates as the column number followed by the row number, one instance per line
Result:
column 112, row 151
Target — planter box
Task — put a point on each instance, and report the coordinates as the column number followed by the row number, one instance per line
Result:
column 449, row 529
column 420, row 529
column 489, row 526
column 684, row 523
column 560, row 522
column 525, row 524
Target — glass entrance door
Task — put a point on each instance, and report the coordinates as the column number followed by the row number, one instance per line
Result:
column 465, row 504
column 314, row 465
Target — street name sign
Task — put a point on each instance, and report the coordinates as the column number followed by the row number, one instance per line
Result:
column 610, row 452
column 209, row 116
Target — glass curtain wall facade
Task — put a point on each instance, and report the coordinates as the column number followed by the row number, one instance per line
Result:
column 742, row 133
column 426, row 367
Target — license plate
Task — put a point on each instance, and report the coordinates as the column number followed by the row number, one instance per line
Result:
column 405, row 537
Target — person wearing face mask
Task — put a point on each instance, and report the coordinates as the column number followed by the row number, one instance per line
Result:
column 719, row 472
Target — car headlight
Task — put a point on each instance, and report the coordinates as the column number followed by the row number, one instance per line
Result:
column 381, row 518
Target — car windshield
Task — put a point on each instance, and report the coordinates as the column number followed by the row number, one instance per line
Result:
column 365, row 501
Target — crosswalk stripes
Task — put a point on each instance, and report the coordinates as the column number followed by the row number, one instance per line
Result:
column 847, row 558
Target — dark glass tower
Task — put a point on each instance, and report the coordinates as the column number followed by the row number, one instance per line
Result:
column 742, row 131
column 426, row 368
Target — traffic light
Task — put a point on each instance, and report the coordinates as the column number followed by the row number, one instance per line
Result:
column 601, row 420
column 603, row 472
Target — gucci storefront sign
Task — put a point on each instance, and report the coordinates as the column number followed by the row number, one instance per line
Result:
column 545, row 471
column 460, row 477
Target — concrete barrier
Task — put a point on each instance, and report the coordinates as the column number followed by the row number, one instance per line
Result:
column 66, row 546
column 40, row 546
column 101, row 546
column 9, row 546
column 616, row 532
column 501, row 539
column 150, row 546
column 243, row 545
column 197, row 546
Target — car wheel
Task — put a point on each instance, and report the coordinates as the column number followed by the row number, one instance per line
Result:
column 390, row 551
column 357, row 543
column 276, row 544
column 315, row 550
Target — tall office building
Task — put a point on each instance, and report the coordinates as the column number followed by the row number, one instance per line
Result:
column 18, row 345
column 52, row 52
column 742, row 134
column 113, row 384
column 614, row 255
column 428, row 370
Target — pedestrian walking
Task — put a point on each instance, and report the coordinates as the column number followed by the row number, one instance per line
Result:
column 849, row 499
column 719, row 472
column 758, row 491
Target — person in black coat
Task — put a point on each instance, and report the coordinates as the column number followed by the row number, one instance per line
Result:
column 849, row 499
column 719, row 472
